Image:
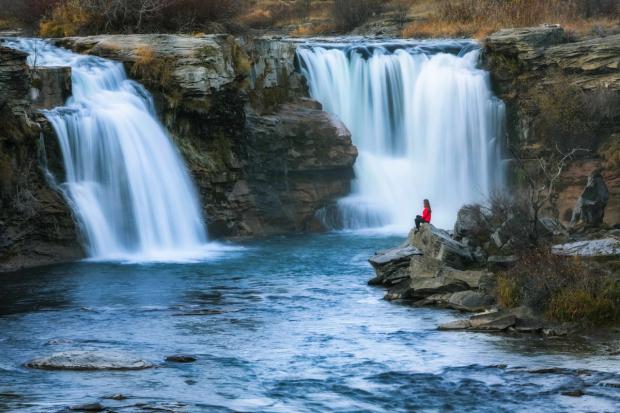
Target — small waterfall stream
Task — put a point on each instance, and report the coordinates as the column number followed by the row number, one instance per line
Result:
column 125, row 180
column 424, row 120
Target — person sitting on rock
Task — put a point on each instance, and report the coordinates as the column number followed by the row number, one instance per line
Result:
column 426, row 215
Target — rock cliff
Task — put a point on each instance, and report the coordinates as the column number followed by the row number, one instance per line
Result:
column 565, row 88
column 264, row 156
column 36, row 226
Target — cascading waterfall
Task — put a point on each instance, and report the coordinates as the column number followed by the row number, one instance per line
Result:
column 424, row 120
column 125, row 180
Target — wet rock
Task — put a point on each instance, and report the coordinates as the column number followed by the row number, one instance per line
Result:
column 590, row 207
column 528, row 325
column 51, row 87
column 455, row 325
column 89, row 407
column 497, row 321
column 606, row 247
column 497, row 263
column 574, row 393
column 181, row 358
column 118, row 396
column 89, row 360
column 560, row 330
column 392, row 265
column 400, row 291
column 471, row 301
column 439, row 245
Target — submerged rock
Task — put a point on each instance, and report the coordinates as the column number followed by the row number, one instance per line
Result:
column 89, row 407
column 181, row 358
column 89, row 360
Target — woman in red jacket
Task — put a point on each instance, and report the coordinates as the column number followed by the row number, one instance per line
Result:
column 426, row 215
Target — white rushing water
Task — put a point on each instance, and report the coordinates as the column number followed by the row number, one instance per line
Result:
column 424, row 120
column 125, row 180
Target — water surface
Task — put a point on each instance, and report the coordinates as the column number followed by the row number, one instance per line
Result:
column 284, row 324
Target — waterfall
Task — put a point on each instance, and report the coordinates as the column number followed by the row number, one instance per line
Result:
column 125, row 180
column 425, row 122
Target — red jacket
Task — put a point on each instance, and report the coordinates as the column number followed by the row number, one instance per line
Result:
column 426, row 215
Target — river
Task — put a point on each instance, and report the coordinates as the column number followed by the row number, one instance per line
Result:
column 284, row 324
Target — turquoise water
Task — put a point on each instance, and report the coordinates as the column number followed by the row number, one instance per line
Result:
column 283, row 324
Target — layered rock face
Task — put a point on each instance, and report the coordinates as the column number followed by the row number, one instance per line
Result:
column 525, row 64
column 36, row 226
column 264, row 156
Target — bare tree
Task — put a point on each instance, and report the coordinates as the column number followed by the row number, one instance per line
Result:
column 542, row 182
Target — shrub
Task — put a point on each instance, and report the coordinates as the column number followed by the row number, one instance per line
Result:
column 69, row 18
column 560, row 289
column 349, row 14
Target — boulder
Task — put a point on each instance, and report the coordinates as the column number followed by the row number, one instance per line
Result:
column 89, row 360
column 606, row 247
column 590, row 207
column 392, row 265
column 472, row 224
column 438, row 244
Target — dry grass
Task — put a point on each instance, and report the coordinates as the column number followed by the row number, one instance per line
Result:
column 478, row 18
column 67, row 19
column 151, row 68
column 560, row 289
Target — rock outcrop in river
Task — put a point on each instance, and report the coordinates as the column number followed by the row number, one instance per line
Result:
column 264, row 156
column 36, row 226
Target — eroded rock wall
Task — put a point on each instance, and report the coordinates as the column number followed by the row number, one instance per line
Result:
column 36, row 226
column 264, row 156
column 526, row 64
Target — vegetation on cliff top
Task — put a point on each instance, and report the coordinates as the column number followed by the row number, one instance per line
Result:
column 413, row 18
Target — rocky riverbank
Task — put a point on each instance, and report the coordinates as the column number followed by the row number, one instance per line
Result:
column 475, row 268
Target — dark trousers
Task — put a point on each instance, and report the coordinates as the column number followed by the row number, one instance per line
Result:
column 418, row 221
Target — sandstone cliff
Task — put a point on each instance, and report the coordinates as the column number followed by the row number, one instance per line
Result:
column 555, row 86
column 264, row 156
column 36, row 226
